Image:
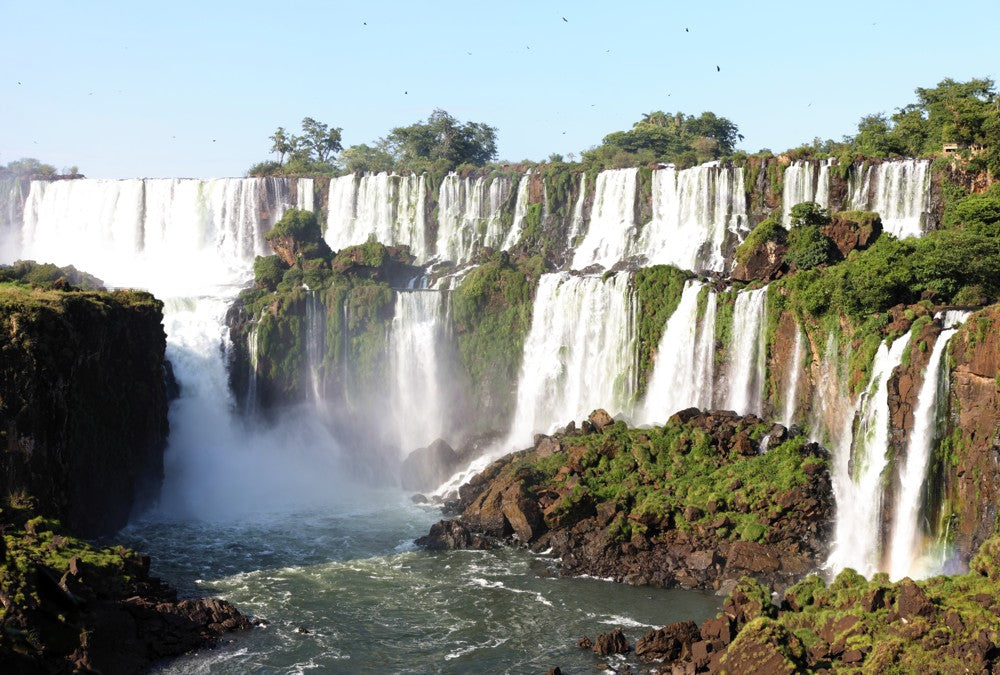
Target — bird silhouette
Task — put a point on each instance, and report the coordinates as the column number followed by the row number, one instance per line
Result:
column 405, row 93
column 565, row 19
column 739, row 136
column 469, row 53
column 718, row 70
column 364, row 23
column 686, row 30
column 19, row 83
column 213, row 140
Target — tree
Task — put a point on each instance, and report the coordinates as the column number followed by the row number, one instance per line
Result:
column 363, row 157
column 662, row 137
column 321, row 141
column 281, row 144
column 442, row 138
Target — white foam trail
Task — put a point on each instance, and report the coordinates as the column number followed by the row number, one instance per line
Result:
column 747, row 361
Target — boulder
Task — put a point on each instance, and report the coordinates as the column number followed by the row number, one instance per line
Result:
column 852, row 230
column 670, row 643
column 600, row 419
column 764, row 646
column 912, row 601
column 613, row 642
column 426, row 468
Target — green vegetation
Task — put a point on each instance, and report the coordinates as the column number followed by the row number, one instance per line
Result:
column 660, row 137
column 310, row 154
column 658, row 290
column 681, row 477
column 769, row 229
column 492, row 310
column 48, row 276
column 809, row 248
column 28, row 167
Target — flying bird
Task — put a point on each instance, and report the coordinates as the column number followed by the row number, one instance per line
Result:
column 405, row 93
column 469, row 53
column 739, row 136
column 686, row 30
column 364, row 23
column 718, row 70
column 565, row 19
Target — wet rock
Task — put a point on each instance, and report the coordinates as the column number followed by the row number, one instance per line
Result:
column 427, row 468
column 585, row 643
column 612, row 642
column 912, row 601
column 669, row 643
column 764, row 646
column 600, row 419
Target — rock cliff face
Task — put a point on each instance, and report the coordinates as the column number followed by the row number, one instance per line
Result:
column 83, row 403
column 701, row 502
column 970, row 452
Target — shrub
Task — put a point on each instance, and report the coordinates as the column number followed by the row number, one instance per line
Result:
column 807, row 247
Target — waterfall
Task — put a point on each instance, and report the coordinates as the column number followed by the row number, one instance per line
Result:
column 385, row 206
column 576, row 221
column 792, row 384
column 418, row 338
column 497, row 199
column 899, row 190
column 153, row 233
column 305, row 194
column 747, row 363
column 693, row 211
column 805, row 181
column 578, row 355
column 682, row 376
column 520, row 211
column 859, row 461
column 253, row 351
column 315, row 339
column 612, row 220
column 12, row 197
column 907, row 546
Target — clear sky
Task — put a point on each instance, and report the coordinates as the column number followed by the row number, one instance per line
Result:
column 195, row 88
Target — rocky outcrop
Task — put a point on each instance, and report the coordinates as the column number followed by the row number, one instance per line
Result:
column 970, row 451
column 70, row 607
column 764, row 263
column 83, row 418
column 552, row 497
column 852, row 230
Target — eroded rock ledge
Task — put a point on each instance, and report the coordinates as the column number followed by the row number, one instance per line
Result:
column 699, row 503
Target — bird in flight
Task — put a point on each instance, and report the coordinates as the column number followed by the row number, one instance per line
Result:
column 405, row 93
column 686, row 30
column 364, row 23
column 565, row 19
column 718, row 70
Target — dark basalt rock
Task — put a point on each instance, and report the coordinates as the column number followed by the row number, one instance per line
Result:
column 613, row 642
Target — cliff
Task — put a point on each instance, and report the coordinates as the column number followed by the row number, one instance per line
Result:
column 83, row 402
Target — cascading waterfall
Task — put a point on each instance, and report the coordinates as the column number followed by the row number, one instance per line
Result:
column 792, row 384
column 682, row 375
column 899, row 190
column 520, row 211
column 498, row 195
column 305, row 194
column 578, row 354
column 153, row 227
column 315, row 339
column 460, row 212
column 693, row 212
column 12, row 198
column 418, row 337
column 388, row 207
column 747, row 363
column 612, row 220
column 253, row 352
column 908, row 550
column 805, row 181
column 576, row 221
column 859, row 461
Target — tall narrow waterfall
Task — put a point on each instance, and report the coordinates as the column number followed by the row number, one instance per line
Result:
column 859, row 461
column 576, row 221
column 497, row 199
column 805, row 181
column 792, row 383
column 315, row 339
column 13, row 192
column 612, row 220
column 693, row 212
column 682, row 376
column 746, row 367
column 520, row 211
column 899, row 190
column 386, row 206
column 908, row 547
column 419, row 402
column 578, row 354
column 460, row 213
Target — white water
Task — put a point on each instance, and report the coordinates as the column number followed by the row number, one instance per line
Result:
column 385, row 206
column 612, row 220
column 576, row 221
column 805, row 181
column 497, row 199
column 909, row 554
column 520, row 211
column 315, row 340
column 792, row 384
column 578, row 354
column 747, row 362
column 859, row 461
column 461, row 203
column 899, row 190
column 417, row 342
column 682, row 375
column 305, row 195
column 693, row 211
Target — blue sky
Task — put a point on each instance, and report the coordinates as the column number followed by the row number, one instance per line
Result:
column 195, row 89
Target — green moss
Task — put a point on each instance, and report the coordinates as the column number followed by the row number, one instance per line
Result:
column 768, row 230
column 658, row 290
